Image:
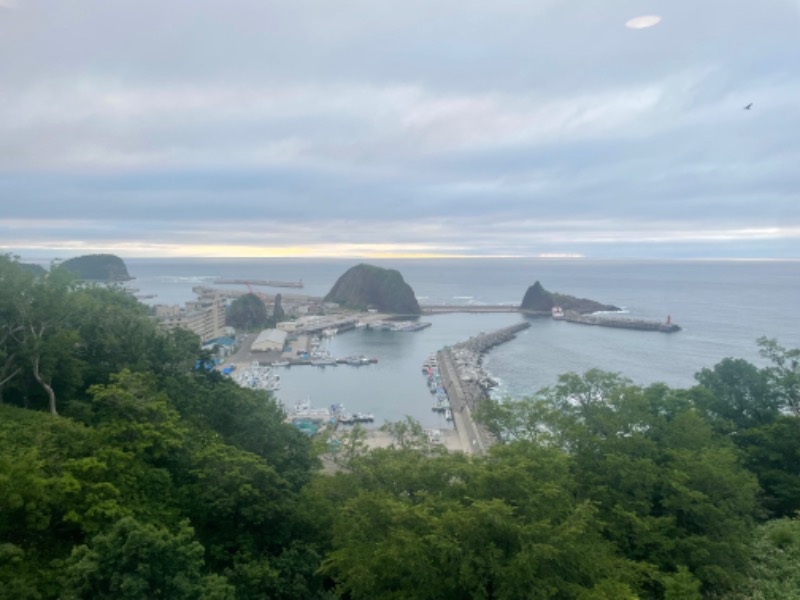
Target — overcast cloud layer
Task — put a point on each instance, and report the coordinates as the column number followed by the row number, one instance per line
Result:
column 355, row 127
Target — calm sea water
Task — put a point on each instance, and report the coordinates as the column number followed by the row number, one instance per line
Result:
column 723, row 308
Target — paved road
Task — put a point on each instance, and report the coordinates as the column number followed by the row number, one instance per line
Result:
column 471, row 439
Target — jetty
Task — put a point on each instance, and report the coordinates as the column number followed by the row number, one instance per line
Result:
column 436, row 309
column 260, row 282
column 467, row 384
column 570, row 316
column 602, row 321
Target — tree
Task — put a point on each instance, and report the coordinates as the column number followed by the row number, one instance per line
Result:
column 245, row 419
column 407, row 434
column 247, row 312
column 682, row 585
column 668, row 488
column 277, row 310
column 412, row 525
column 238, row 503
column 784, row 374
column 47, row 337
column 772, row 452
column 774, row 570
column 136, row 560
column 741, row 395
column 15, row 289
column 116, row 333
column 759, row 409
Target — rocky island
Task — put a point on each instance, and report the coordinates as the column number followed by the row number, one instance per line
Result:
column 97, row 267
column 365, row 287
column 37, row 270
column 538, row 299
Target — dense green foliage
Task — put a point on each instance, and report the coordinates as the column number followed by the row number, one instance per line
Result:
column 97, row 267
column 152, row 480
column 367, row 286
column 247, row 312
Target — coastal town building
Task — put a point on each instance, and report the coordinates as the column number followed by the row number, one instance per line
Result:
column 206, row 318
column 287, row 326
column 222, row 347
column 269, row 340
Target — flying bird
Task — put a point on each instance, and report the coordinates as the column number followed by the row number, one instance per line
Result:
column 749, row 106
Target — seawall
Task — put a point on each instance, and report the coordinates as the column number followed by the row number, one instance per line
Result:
column 637, row 324
column 467, row 384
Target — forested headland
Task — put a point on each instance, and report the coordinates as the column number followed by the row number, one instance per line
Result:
column 127, row 474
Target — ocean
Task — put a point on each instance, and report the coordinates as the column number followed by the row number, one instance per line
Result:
column 722, row 306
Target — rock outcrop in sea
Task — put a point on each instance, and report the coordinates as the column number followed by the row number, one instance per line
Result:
column 366, row 286
column 97, row 267
column 37, row 270
column 538, row 299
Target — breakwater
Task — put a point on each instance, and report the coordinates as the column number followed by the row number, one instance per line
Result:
column 434, row 309
column 260, row 282
column 637, row 324
column 467, row 384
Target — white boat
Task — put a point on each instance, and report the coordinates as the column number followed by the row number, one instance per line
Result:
column 304, row 409
column 358, row 361
column 281, row 363
column 257, row 377
column 435, row 437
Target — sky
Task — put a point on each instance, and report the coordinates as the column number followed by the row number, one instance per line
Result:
column 417, row 128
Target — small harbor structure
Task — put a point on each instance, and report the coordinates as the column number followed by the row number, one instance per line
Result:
column 571, row 316
column 466, row 384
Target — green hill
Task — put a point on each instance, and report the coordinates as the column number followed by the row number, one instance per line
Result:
column 98, row 267
column 366, row 286
column 540, row 300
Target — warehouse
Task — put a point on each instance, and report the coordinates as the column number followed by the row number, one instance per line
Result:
column 269, row 340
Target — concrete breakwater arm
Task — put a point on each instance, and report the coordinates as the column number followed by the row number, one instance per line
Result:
column 638, row 324
column 467, row 384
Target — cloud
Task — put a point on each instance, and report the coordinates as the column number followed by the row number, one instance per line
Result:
column 643, row 22
column 516, row 127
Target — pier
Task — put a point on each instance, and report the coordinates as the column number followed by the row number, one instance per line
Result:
column 434, row 309
column 260, row 282
column 467, row 384
column 638, row 324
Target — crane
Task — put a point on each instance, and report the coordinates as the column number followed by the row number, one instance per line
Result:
column 258, row 295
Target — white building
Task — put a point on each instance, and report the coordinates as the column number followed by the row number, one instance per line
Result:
column 287, row 326
column 206, row 319
column 269, row 339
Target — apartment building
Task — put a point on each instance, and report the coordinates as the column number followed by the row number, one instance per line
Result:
column 204, row 317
